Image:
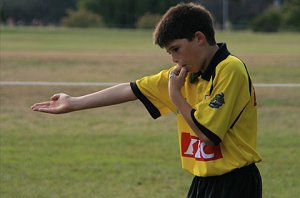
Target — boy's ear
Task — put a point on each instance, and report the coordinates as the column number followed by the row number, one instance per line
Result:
column 200, row 37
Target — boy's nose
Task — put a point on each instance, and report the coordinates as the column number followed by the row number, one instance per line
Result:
column 175, row 59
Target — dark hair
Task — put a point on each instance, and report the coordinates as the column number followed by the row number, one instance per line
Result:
column 182, row 21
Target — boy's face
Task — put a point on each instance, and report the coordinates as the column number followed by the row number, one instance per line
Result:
column 187, row 54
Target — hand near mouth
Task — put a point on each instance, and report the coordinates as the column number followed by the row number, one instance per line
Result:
column 176, row 80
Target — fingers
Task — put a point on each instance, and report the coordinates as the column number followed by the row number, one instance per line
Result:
column 59, row 103
column 42, row 106
column 179, row 72
column 172, row 74
column 47, row 110
column 183, row 72
column 38, row 106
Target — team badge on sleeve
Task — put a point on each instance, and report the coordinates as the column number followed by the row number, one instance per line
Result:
column 217, row 101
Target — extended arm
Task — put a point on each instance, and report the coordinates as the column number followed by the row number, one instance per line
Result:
column 62, row 103
column 175, row 84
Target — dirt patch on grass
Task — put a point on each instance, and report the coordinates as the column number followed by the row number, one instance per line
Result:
column 291, row 60
column 82, row 55
column 76, row 66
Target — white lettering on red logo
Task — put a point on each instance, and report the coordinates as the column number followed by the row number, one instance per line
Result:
column 193, row 147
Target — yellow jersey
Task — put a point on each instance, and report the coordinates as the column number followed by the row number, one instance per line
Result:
column 224, row 109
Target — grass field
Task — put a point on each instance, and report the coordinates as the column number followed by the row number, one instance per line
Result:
column 120, row 151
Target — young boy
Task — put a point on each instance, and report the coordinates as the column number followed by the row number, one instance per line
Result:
column 212, row 95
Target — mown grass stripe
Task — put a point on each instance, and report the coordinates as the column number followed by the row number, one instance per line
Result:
column 105, row 84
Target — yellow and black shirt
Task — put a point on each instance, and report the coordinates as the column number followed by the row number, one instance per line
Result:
column 224, row 109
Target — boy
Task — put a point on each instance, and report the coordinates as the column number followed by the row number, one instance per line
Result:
column 212, row 95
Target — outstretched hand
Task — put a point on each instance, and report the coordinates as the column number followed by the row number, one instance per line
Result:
column 59, row 103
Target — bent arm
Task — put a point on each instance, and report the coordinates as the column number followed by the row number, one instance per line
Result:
column 176, row 81
column 62, row 103
column 185, row 110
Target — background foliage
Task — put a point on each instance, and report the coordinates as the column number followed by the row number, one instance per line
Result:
column 82, row 18
column 129, row 13
column 35, row 11
column 268, row 21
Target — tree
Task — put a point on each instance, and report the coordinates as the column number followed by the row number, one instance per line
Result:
column 124, row 13
column 241, row 12
column 148, row 21
column 82, row 18
column 268, row 21
column 291, row 15
column 44, row 11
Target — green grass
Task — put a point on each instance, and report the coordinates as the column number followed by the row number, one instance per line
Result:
column 87, row 154
column 61, row 39
column 262, row 43
column 120, row 151
column 271, row 58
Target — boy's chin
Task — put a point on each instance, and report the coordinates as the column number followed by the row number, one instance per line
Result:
column 192, row 70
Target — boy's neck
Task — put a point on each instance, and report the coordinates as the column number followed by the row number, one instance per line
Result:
column 212, row 49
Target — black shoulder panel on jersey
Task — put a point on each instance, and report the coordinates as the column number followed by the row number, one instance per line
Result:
column 250, row 91
column 209, row 134
column 154, row 112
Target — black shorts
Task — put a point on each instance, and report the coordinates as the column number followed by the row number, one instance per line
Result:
column 240, row 183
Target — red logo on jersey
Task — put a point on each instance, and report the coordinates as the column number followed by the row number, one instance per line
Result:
column 192, row 146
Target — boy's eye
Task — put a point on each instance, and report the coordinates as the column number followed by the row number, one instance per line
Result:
column 175, row 49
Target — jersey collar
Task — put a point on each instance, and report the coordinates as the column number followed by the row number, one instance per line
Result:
column 219, row 56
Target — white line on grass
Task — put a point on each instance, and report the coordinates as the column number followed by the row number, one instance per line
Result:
column 67, row 84
column 107, row 84
column 277, row 85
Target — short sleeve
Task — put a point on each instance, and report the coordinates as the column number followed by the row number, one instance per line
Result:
column 152, row 91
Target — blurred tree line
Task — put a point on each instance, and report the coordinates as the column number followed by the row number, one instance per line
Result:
column 260, row 15
column 31, row 12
